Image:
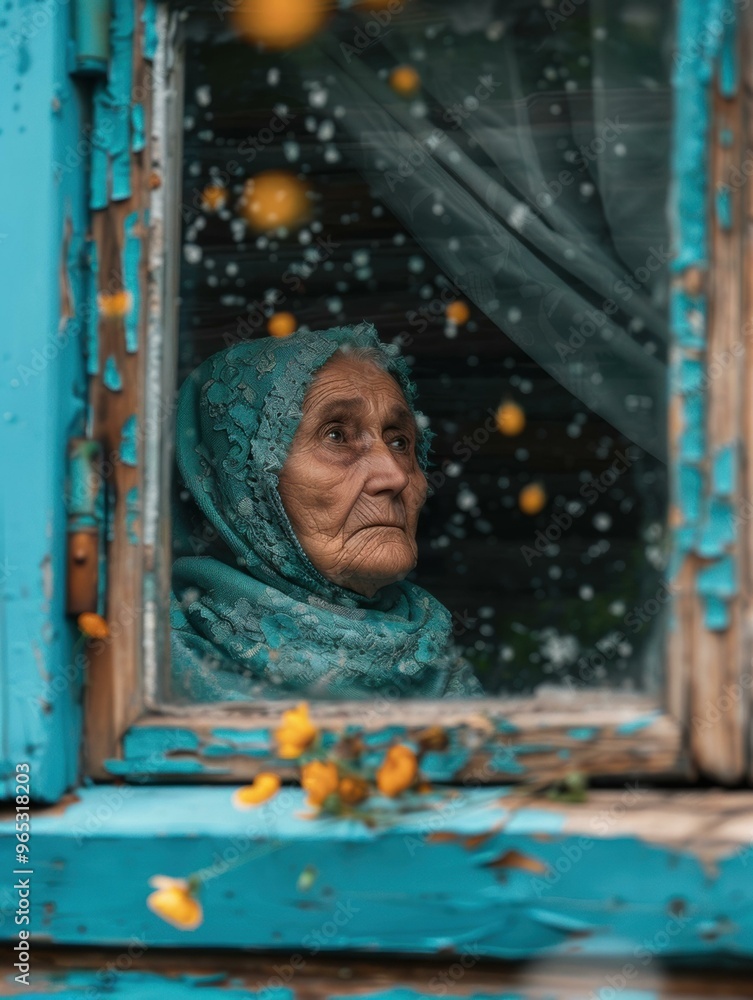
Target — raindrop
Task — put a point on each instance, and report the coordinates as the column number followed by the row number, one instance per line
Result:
column 466, row 499
column 326, row 130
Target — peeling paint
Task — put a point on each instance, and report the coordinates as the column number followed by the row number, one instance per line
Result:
column 47, row 578
column 111, row 377
column 45, row 306
column 706, row 50
column 527, row 879
column 131, row 258
column 150, row 749
column 728, row 62
column 637, row 724
column 128, row 454
column 717, row 584
column 92, row 312
column 133, row 515
column 583, row 733
column 111, row 136
column 724, row 208
column 149, row 21
column 138, row 142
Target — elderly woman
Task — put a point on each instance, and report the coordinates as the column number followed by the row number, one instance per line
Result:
column 306, row 455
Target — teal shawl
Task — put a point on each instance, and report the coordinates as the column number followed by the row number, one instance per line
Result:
column 261, row 621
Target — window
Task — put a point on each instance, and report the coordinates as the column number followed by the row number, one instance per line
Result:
column 491, row 189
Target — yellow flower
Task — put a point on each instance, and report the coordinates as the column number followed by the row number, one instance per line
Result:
column 296, row 733
column 175, row 902
column 398, row 771
column 93, row 625
column 264, row 786
column 319, row 780
column 353, row 790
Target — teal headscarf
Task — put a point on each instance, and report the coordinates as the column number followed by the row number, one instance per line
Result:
column 264, row 622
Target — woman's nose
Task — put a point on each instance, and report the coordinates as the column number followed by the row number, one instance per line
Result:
column 385, row 470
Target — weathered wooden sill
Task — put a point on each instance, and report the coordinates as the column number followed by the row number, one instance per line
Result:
column 171, row 974
column 633, row 873
column 498, row 740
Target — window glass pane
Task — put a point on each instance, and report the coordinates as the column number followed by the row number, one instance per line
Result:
column 486, row 183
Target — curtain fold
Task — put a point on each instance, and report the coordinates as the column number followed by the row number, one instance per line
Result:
column 548, row 212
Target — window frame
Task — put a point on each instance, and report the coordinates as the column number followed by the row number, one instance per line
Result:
column 683, row 733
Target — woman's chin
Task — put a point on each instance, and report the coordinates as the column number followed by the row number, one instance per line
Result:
column 379, row 575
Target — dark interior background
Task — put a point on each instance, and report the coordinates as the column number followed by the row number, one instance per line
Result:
column 521, row 621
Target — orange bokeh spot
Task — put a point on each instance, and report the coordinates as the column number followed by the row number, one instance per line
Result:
column 405, row 81
column 275, row 198
column 280, row 24
column 114, row 305
column 458, row 312
column 213, row 198
column 532, row 498
column 281, row 324
column 510, row 419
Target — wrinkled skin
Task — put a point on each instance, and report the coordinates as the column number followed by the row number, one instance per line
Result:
column 351, row 484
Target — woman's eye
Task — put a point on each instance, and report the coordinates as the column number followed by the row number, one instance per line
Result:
column 400, row 443
column 335, row 435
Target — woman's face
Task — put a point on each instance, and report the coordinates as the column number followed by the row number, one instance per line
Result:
column 351, row 484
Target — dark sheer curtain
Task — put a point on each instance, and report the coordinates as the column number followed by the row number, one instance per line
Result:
column 526, row 174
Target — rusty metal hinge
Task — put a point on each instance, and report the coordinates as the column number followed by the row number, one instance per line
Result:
column 85, row 504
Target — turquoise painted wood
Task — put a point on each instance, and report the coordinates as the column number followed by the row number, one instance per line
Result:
column 148, row 986
column 43, row 157
column 463, row 871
